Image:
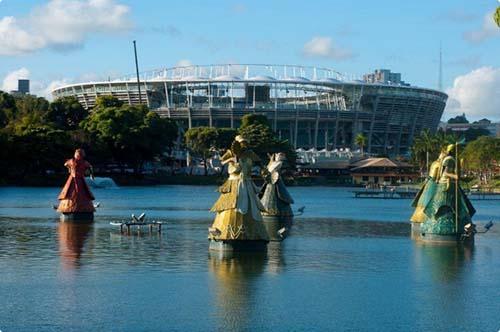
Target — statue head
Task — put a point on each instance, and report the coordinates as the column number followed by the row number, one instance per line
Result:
column 450, row 148
column 79, row 154
column 241, row 140
column 280, row 156
column 236, row 148
column 445, row 151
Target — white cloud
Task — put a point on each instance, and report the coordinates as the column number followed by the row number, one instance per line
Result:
column 10, row 81
column 61, row 24
column 183, row 63
column 45, row 90
column 239, row 8
column 39, row 88
column 477, row 94
column 324, row 47
column 488, row 30
column 457, row 15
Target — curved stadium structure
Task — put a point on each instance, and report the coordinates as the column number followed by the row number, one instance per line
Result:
column 309, row 106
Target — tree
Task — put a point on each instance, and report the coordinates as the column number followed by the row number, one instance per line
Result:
column 201, row 141
column 28, row 105
column 66, row 113
column 7, row 108
column 427, row 146
column 107, row 101
column 360, row 141
column 36, row 149
column 159, row 135
column 458, row 119
column 261, row 138
column 225, row 137
column 482, row 156
column 30, row 145
column 472, row 134
column 254, row 119
column 130, row 134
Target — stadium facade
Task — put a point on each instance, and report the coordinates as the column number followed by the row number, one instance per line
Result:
column 309, row 106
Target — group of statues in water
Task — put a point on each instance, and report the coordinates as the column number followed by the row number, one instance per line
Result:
column 247, row 217
column 242, row 210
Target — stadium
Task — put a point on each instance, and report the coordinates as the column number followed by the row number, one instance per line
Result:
column 311, row 107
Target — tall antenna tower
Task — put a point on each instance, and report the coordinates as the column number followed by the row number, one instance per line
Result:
column 440, row 75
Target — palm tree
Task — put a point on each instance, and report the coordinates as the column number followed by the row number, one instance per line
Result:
column 427, row 146
column 360, row 141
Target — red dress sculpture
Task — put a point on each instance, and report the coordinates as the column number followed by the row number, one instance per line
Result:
column 76, row 196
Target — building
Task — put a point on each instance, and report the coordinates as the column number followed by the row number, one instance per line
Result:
column 23, row 87
column 493, row 128
column 382, row 171
column 309, row 106
column 384, row 76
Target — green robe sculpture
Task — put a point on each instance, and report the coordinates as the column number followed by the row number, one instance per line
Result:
column 440, row 198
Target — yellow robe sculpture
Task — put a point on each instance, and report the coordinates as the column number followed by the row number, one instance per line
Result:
column 238, row 207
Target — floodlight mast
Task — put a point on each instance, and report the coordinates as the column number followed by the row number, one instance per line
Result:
column 137, row 73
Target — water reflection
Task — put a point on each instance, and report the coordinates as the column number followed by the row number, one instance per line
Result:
column 236, row 276
column 444, row 285
column 335, row 227
column 445, row 263
column 275, row 257
column 72, row 238
column 278, row 230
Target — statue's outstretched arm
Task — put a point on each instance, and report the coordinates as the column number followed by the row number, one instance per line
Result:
column 451, row 175
column 67, row 164
column 91, row 171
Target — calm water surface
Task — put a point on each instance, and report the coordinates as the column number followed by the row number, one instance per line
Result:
column 349, row 265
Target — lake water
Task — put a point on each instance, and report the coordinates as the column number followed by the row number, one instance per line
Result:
column 349, row 265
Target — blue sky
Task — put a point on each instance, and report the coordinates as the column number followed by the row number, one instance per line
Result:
column 349, row 36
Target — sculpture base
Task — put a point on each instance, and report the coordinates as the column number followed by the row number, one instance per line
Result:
column 278, row 228
column 457, row 238
column 237, row 245
column 80, row 217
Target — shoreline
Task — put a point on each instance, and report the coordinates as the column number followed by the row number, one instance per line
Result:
column 131, row 180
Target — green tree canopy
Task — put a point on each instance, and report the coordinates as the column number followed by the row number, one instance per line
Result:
column 427, row 146
column 28, row 104
column 253, row 119
column 482, row 155
column 66, row 113
column 107, row 101
column 130, row 134
column 225, row 137
column 458, row 119
column 8, row 108
column 360, row 141
column 261, row 138
column 201, row 141
column 37, row 149
column 472, row 134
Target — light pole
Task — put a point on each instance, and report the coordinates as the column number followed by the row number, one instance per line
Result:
column 137, row 73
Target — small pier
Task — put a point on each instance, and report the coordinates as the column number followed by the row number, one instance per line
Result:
column 138, row 223
column 484, row 195
column 388, row 193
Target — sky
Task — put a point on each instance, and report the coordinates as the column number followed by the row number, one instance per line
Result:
column 56, row 42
